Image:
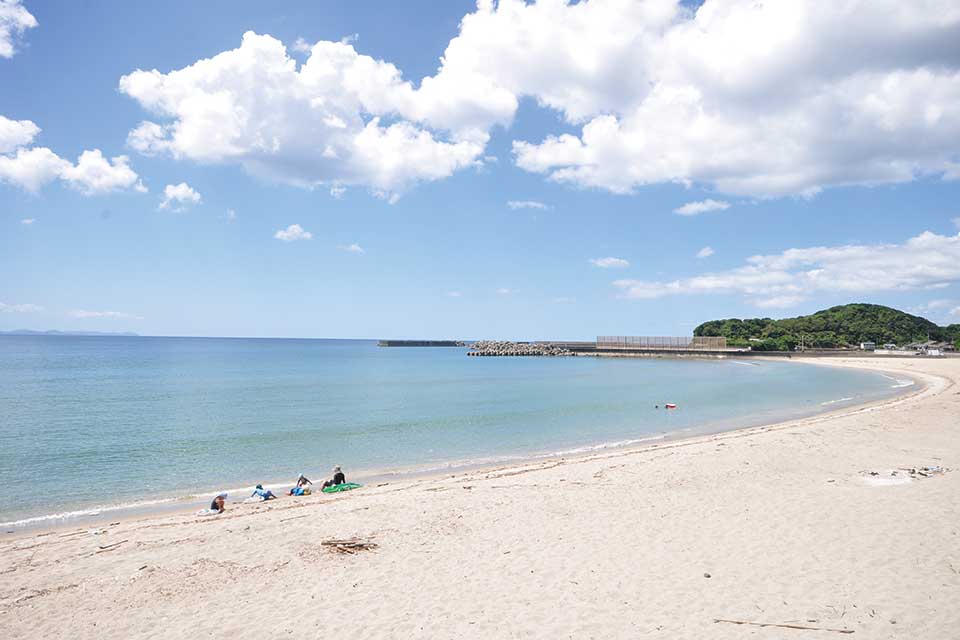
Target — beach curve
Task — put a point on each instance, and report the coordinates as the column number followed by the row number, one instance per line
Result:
column 771, row 524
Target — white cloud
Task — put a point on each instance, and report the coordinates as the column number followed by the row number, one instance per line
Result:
column 16, row 133
column 110, row 315
column 337, row 191
column 706, row 252
column 291, row 233
column 14, row 20
column 695, row 208
column 526, row 204
column 180, row 196
column 666, row 94
column 503, row 291
column 609, row 263
column 564, row 300
column 454, row 294
column 231, row 215
column 940, row 307
column 95, row 174
column 301, row 46
column 778, row 302
column 927, row 261
column 33, row 167
column 27, row 221
column 656, row 91
column 19, row 308
column 321, row 123
column 352, row 248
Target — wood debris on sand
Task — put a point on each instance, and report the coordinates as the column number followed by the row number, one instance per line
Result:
column 349, row 545
column 783, row 626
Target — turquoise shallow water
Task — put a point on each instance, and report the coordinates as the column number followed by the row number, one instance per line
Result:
column 88, row 422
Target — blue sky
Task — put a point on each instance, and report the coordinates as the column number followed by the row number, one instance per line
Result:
column 832, row 171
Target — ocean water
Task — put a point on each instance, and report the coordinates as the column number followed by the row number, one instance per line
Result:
column 92, row 423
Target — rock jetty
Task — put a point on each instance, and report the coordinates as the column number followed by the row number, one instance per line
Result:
column 507, row 348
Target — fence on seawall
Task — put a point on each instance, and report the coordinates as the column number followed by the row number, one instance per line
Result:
column 664, row 343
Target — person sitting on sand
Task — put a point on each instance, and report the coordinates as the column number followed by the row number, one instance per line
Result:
column 303, row 481
column 299, row 491
column 338, row 478
column 217, row 504
column 265, row 494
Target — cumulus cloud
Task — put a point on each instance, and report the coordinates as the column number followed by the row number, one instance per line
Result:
column 654, row 92
column 873, row 96
column 95, row 174
column 19, row 308
column 503, row 291
column 454, row 294
column 352, row 248
column 706, row 252
column 526, row 204
column 27, row 221
column 609, row 263
column 16, row 133
column 14, row 20
column 696, row 208
column 34, row 167
column 341, row 118
column 177, row 197
column 291, row 233
column 927, row 261
column 82, row 314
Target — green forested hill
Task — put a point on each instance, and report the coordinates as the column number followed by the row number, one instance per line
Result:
column 846, row 325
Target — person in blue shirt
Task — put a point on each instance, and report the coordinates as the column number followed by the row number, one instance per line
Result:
column 265, row 494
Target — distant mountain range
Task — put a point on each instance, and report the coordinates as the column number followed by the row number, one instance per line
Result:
column 31, row 332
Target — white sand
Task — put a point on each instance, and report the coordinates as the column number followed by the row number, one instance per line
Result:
column 610, row 546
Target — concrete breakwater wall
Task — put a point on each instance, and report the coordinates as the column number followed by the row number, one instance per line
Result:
column 507, row 348
column 421, row 343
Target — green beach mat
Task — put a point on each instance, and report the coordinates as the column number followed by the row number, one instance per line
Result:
column 346, row 486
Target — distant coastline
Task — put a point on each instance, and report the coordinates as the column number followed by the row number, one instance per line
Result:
column 54, row 332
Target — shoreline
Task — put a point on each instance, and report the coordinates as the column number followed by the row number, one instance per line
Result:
column 781, row 524
column 187, row 504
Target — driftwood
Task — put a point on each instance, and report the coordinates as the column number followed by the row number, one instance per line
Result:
column 783, row 626
column 349, row 545
column 111, row 547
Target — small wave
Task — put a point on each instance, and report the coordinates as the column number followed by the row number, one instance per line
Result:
column 81, row 513
column 828, row 402
column 899, row 383
column 748, row 364
column 605, row 445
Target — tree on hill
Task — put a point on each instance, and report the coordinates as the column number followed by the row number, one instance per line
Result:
column 841, row 326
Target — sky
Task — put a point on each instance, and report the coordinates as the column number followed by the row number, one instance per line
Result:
column 539, row 170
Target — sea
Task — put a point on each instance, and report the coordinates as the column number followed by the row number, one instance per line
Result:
column 97, row 425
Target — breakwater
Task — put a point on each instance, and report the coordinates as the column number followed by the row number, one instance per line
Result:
column 507, row 348
column 421, row 343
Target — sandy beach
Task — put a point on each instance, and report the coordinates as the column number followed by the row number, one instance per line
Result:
column 777, row 525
